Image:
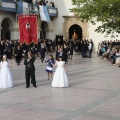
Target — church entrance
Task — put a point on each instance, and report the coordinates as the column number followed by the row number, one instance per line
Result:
column 77, row 29
column 43, row 32
column 5, row 32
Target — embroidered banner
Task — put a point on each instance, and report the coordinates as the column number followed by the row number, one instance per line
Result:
column 28, row 29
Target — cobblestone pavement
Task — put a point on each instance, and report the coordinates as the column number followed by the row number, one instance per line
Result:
column 94, row 93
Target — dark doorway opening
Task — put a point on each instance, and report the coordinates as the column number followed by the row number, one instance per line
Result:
column 5, row 32
column 77, row 29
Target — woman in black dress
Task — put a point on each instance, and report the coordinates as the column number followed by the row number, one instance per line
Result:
column 18, row 55
column 70, row 51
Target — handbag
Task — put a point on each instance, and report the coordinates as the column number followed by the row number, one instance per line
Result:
column 49, row 68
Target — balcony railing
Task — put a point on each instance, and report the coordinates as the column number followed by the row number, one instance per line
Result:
column 19, row 8
column 53, row 12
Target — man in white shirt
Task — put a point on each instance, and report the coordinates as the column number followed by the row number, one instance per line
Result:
column 90, row 50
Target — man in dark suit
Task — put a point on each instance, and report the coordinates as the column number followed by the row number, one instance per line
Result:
column 2, row 47
column 61, row 53
column 30, row 70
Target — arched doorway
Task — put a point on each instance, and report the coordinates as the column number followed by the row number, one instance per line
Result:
column 5, row 32
column 43, row 32
column 78, row 30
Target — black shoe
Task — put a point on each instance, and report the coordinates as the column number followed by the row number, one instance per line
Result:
column 27, row 86
column 35, row 86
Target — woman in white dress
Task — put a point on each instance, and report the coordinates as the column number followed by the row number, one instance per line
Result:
column 5, row 74
column 60, row 78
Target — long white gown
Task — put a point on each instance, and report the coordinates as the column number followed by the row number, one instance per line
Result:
column 60, row 78
column 5, row 76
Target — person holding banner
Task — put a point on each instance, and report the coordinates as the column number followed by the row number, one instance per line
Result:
column 30, row 70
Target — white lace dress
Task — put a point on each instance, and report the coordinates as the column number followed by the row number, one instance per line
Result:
column 5, row 76
column 60, row 78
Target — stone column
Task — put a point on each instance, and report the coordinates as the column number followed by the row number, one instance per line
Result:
column 14, row 33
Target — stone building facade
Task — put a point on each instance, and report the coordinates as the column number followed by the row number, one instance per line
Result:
column 64, row 23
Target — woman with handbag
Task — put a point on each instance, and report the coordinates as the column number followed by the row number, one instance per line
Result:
column 50, row 65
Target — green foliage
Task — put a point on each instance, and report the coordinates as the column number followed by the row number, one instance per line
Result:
column 105, row 11
column 0, row 4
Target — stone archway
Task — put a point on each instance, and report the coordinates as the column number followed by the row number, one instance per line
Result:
column 72, row 20
column 77, row 29
column 7, row 25
column 5, row 31
column 10, row 20
column 44, row 30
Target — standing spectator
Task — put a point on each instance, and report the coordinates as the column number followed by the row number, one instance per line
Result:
column 42, row 51
column 18, row 55
column 9, row 50
column 65, row 51
column 2, row 47
column 90, row 50
column 58, row 52
column 70, row 50
column 84, row 49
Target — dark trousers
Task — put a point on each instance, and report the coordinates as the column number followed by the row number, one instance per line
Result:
column 18, row 59
column 9, row 55
column 90, row 52
column 30, row 74
column 83, row 53
column 42, row 57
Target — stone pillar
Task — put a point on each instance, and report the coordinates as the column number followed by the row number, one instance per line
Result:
column 14, row 33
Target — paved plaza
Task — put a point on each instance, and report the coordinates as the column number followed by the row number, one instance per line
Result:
column 94, row 93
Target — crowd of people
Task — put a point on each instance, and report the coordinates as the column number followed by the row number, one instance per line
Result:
column 41, row 2
column 46, row 3
column 13, row 50
column 110, row 50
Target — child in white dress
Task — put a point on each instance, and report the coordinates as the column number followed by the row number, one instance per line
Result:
column 5, row 74
column 60, row 78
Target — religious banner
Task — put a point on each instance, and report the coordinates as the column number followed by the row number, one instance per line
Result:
column 28, row 29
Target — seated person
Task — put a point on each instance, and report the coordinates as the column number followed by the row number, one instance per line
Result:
column 117, row 62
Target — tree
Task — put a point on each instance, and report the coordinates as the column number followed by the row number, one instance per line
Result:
column 0, row 4
column 105, row 11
